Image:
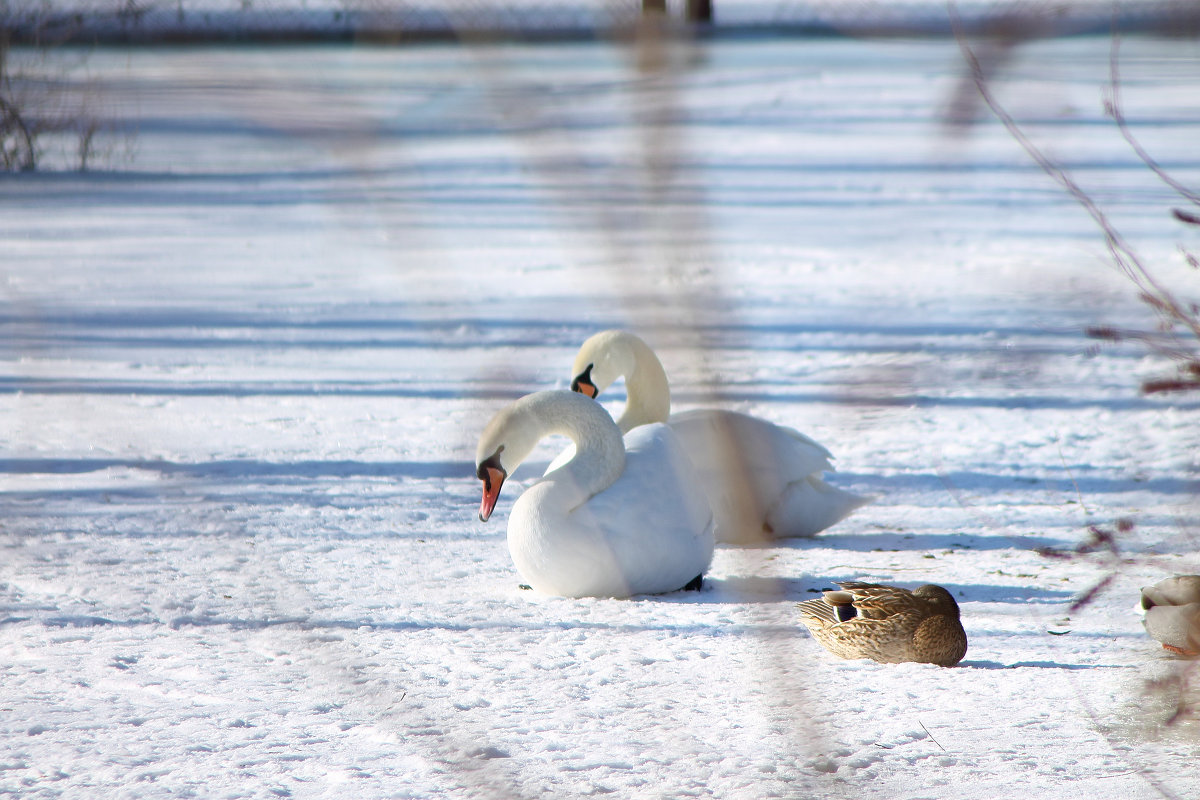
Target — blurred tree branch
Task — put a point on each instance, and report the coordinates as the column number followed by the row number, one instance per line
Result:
column 1175, row 314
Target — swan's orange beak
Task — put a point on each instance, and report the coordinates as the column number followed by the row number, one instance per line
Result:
column 493, row 479
column 583, row 383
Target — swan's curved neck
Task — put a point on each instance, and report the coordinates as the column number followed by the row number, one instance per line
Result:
column 647, row 390
column 596, row 465
column 599, row 449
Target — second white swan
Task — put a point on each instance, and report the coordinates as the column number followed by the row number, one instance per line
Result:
column 763, row 481
column 622, row 517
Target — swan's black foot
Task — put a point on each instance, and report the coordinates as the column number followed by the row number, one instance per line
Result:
column 694, row 584
column 525, row 587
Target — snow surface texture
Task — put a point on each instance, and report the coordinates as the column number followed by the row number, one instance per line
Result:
column 243, row 376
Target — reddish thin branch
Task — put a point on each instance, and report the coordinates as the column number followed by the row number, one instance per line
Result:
column 1113, row 107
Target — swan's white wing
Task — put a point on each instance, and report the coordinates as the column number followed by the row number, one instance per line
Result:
column 650, row 531
column 756, row 472
column 706, row 434
column 807, row 507
column 655, row 517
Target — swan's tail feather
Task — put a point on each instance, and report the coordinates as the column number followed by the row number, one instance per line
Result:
column 810, row 506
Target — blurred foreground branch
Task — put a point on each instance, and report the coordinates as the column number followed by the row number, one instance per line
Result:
column 1177, row 336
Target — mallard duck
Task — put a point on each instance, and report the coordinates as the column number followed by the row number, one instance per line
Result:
column 1173, row 613
column 887, row 623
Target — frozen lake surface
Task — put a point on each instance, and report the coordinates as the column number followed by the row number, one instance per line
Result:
column 246, row 364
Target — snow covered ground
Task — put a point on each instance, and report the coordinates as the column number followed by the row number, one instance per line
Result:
column 243, row 373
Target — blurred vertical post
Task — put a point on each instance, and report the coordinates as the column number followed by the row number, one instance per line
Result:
column 693, row 11
column 698, row 11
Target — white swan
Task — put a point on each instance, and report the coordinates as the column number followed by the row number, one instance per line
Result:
column 622, row 517
column 763, row 480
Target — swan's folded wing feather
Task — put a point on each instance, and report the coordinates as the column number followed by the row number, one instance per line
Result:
column 655, row 517
column 711, row 434
column 809, row 506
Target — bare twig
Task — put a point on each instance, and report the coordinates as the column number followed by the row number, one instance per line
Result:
column 930, row 735
column 1151, row 291
column 1113, row 108
column 1121, row 774
column 1070, row 475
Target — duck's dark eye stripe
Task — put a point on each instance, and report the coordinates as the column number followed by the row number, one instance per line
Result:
column 845, row 612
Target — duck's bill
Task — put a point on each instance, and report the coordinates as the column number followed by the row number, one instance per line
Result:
column 493, row 479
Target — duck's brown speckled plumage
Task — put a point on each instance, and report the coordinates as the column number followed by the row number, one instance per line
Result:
column 887, row 623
